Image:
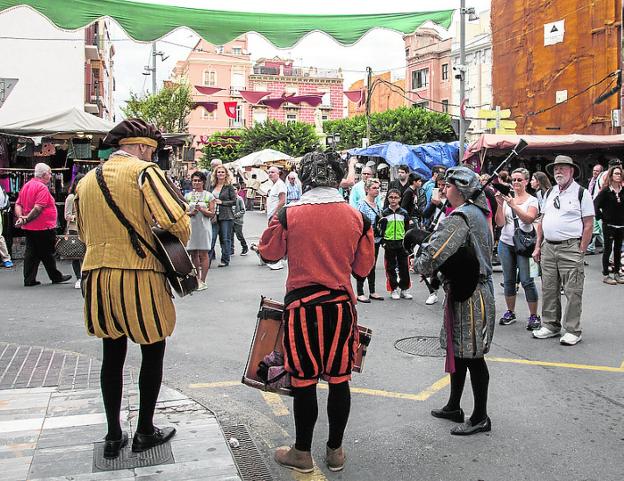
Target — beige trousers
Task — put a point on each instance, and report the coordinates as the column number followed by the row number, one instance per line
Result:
column 562, row 268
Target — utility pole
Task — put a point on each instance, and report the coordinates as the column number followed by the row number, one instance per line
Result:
column 369, row 91
column 154, row 68
column 462, row 76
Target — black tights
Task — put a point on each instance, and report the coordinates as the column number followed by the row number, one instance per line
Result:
column 111, row 381
column 305, row 410
column 479, row 378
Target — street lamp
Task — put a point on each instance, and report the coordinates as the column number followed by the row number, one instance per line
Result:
column 462, row 69
column 332, row 140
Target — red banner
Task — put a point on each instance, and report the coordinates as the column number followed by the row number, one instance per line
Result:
column 230, row 109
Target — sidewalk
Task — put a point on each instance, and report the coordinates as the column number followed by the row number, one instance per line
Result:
column 52, row 425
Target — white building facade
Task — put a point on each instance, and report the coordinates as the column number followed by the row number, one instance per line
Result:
column 55, row 69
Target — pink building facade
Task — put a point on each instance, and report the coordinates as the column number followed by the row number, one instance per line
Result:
column 429, row 69
column 223, row 66
column 279, row 76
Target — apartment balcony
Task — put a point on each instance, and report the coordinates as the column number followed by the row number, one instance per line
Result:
column 301, row 72
column 91, row 108
column 236, row 124
column 235, row 91
column 92, row 52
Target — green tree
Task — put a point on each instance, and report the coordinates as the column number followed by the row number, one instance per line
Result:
column 408, row 125
column 222, row 145
column 168, row 109
column 292, row 138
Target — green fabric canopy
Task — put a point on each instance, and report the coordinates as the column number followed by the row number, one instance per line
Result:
column 148, row 22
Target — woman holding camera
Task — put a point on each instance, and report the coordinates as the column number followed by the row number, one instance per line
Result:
column 520, row 210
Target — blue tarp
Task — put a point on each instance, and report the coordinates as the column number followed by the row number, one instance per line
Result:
column 419, row 158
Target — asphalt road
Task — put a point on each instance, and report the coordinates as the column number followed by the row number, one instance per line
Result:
column 557, row 412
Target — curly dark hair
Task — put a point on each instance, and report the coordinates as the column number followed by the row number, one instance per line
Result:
column 321, row 169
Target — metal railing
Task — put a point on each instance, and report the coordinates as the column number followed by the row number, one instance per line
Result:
column 289, row 71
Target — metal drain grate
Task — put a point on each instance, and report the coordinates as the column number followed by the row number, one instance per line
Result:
column 428, row 346
column 250, row 463
column 128, row 460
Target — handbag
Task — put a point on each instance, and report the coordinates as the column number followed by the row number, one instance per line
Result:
column 524, row 242
column 70, row 247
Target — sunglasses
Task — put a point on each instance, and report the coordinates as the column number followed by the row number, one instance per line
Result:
column 393, row 197
column 517, row 180
column 557, row 202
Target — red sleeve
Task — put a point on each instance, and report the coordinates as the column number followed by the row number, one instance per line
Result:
column 272, row 245
column 364, row 255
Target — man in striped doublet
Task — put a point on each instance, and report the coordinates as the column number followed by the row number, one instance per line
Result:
column 326, row 240
column 124, row 286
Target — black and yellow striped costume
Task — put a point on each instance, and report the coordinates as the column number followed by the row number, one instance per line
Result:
column 124, row 293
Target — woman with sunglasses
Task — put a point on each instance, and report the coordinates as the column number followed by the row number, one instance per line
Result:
column 522, row 208
column 609, row 205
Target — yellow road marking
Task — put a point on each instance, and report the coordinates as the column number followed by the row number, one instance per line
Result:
column 622, row 366
column 201, row 385
column 565, row 365
column 316, row 475
column 275, row 403
column 421, row 396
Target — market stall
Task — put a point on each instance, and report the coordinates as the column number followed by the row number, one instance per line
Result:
column 586, row 150
column 70, row 142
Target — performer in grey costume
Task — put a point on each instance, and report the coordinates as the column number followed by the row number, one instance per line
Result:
column 469, row 324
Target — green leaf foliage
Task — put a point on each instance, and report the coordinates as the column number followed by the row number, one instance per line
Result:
column 292, row 138
column 408, row 125
column 168, row 109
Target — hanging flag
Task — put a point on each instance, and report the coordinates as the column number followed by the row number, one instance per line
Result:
column 274, row 103
column 251, row 96
column 207, row 90
column 209, row 106
column 230, row 109
column 354, row 96
column 311, row 100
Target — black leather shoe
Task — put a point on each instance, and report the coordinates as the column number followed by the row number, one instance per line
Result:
column 467, row 428
column 112, row 448
column 457, row 416
column 64, row 278
column 143, row 442
column 31, row 284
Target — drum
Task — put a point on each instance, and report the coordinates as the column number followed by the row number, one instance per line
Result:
column 268, row 337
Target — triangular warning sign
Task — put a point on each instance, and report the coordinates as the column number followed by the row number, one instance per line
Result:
column 554, row 29
column 6, row 87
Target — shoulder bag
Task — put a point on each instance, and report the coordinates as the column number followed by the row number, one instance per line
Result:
column 70, row 247
column 524, row 242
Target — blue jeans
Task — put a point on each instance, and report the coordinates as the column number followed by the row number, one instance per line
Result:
column 512, row 263
column 223, row 229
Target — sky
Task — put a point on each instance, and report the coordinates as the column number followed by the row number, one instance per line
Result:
column 382, row 50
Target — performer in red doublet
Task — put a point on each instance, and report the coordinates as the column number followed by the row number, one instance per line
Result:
column 326, row 241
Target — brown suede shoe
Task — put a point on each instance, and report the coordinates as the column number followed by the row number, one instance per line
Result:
column 335, row 458
column 292, row 458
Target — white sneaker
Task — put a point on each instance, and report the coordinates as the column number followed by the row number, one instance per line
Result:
column 432, row 299
column 395, row 294
column 77, row 284
column 276, row 266
column 202, row 286
column 406, row 295
column 544, row 333
column 569, row 339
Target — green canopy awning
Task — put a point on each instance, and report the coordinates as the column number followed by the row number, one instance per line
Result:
column 148, row 22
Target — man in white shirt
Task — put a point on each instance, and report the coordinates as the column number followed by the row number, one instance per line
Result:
column 563, row 235
column 276, row 199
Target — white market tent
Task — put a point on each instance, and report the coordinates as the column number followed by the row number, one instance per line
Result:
column 66, row 122
column 256, row 159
